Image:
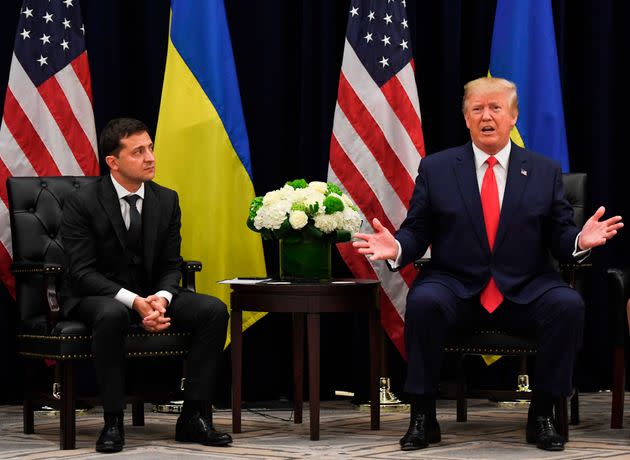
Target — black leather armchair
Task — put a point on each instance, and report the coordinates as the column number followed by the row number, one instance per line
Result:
column 618, row 295
column 500, row 342
column 35, row 206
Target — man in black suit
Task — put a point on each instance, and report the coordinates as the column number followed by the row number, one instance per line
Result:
column 122, row 237
column 491, row 211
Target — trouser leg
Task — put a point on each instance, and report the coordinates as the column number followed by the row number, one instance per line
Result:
column 206, row 318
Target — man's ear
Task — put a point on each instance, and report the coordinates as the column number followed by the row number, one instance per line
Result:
column 112, row 162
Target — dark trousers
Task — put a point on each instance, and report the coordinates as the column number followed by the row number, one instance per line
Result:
column 205, row 317
column 433, row 313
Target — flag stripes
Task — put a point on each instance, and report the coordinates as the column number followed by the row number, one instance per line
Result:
column 377, row 142
column 47, row 127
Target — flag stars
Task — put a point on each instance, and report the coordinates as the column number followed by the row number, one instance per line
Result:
column 371, row 16
column 354, row 11
column 45, row 39
column 28, row 12
column 65, row 45
column 82, row 29
column 66, row 23
column 404, row 44
column 68, row 3
column 404, row 24
column 385, row 40
column 47, row 17
column 384, row 62
column 25, row 34
column 404, row 3
column 42, row 60
column 388, row 19
column 368, row 37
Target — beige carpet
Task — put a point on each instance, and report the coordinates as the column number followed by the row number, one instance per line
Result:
column 491, row 433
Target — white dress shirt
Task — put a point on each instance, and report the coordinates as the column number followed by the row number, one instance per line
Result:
column 125, row 296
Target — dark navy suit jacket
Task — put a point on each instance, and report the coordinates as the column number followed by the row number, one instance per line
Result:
column 445, row 212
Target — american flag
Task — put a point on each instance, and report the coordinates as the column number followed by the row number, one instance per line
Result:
column 377, row 140
column 48, row 122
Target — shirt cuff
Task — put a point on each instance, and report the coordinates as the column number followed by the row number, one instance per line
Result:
column 126, row 297
column 394, row 264
column 167, row 295
column 579, row 255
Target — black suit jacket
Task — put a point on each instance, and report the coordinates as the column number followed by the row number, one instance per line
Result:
column 93, row 234
column 446, row 212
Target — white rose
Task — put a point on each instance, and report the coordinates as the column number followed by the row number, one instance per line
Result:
column 272, row 198
column 298, row 219
column 320, row 187
column 272, row 217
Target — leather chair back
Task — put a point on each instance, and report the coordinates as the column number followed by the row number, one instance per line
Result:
column 35, row 207
column 575, row 193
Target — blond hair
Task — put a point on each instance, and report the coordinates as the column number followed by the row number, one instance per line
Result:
column 491, row 84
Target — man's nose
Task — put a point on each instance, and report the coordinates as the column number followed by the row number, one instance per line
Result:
column 149, row 156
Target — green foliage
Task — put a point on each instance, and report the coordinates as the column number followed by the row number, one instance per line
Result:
column 298, row 183
column 333, row 204
column 333, row 188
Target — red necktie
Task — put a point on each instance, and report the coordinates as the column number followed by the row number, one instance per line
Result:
column 491, row 298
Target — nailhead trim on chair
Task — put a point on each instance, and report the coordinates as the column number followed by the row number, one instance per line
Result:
column 89, row 337
column 130, row 355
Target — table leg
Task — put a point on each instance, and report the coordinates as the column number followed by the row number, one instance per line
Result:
column 298, row 366
column 236, row 322
column 375, row 357
column 312, row 321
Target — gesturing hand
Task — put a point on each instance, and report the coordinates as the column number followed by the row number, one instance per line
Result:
column 596, row 232
column 380, row 245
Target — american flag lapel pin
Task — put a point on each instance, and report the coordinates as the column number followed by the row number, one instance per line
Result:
column 524, row 172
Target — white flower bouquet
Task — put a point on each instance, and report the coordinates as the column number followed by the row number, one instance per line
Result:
column 301, row 210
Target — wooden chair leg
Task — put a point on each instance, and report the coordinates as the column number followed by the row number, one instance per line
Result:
column 618, row 387
column 28, row 416
column 67, row 417
column 28, row 408
column 575, row 407
column 460, row 391
column 137, row 413
column 562, row 417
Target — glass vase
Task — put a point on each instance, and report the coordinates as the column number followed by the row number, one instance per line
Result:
column 305, row 260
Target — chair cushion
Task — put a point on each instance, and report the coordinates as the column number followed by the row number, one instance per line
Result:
column 72, row 340
column 491, row 342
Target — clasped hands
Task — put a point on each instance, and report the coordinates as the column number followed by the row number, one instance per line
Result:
column 152, row 309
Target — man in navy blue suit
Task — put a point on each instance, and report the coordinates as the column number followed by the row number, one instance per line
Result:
column 491, row 212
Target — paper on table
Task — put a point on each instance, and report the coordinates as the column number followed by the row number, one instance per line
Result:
column 244, row 281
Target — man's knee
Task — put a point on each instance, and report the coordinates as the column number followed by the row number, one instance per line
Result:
column 211, row 309
column 108, row 312
column 568, row 306
column 423, row 303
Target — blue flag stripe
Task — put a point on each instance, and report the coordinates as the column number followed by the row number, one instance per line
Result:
column 524, row 51
column 199, row 32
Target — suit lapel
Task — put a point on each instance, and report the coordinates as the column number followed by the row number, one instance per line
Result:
column 111, row 204
column 150, row 219
column 469, row 189
column 514, row 186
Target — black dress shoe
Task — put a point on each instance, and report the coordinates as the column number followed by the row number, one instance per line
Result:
column 197, row 429
column 423, row 430
column 111, row 439
column 542, row 432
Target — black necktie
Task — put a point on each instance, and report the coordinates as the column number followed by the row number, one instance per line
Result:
column 135, row 221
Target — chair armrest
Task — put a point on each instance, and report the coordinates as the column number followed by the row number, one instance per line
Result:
column 569, row 271
column 421, row 263
column 189, row 268
column 51, row 273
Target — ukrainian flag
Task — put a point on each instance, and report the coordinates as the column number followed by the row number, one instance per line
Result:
column 202, row 149
column 524, row 51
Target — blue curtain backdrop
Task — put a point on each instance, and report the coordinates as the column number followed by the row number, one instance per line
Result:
column 288, row 56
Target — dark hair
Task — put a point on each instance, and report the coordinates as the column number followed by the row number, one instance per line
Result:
column 116, row 130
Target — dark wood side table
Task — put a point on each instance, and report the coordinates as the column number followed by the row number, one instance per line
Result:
column 310, row 300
